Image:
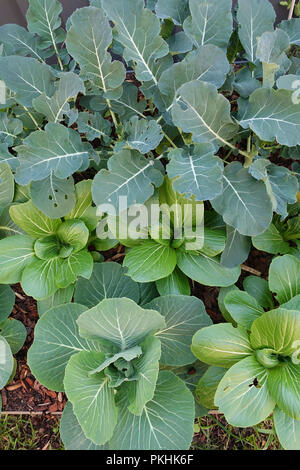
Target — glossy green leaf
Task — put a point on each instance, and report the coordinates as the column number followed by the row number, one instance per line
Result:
column 259, row 289
column 150, row 261
column 243, row 308
column 284, row 276
column 207, row 386
column 237, row 248
column 6, row 362
column 43, row 18
column 271, row 241
column 32, row 221
column 38, row 277
column 14, row 332
column 243, row 394
column 47, row 247
column 62, row 296
column 221, row 345
column 283, row 384
column 7, row 187
column 76, row 264
column 287, row 430
column 175, row 284
column 16, row 252
column 74, row 233
column 7, row 301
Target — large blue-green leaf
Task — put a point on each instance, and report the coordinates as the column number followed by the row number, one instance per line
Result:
column 43, row 18
column 208, row 24
column 7, row 186
column 184, row 316
column 158, row 426
column 16, row 252
column 178, row 10
column 87, row 41
column 292, row 28
column 244, row 203
column 199, row 109
column 254, row 18
column 108, row 280
column 27, row 78
column 129, row 174
column 143, row 135
column 120, row 322
column 284, row 275
column 137, row 29
column 14, row 332
column 197, row 170
column 19, row 41
column 7, row 300
column 56, row 149
column 6, row 362
column 284, row 385
column 243, row 308
column 237, row 248
column 10, row 128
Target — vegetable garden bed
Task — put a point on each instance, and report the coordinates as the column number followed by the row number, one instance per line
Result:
column 150, row 223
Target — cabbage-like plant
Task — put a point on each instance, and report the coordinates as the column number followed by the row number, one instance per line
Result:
column 255, row 366
column 49, row 254
column 12, row 336
column 109, row 360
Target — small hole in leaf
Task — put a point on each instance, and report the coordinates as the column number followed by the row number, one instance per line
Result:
column 56, row 190
column 66, row 196
column 50, row 197
column 55, row 205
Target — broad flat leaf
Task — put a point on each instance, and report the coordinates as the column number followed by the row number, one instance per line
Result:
column 175, row 284
column 146, row 367
column 244, row 203
column 254, row 18
column 271, row 47
column 184, row 316
column 119, row 321
column 74, row 233
column 27, row 78
column 7, row 301
column 90, row 395
column 207, row 63
column 150, row 261
column 71, row 433
column 53, row 196
column 243, row 394
column 9, row 129
column 76, row 264
column 128, row 105
column 19, row 41
column 129, row 174
column 237, row 248
column 148, row 292
column 259, row 289
column 62, row 296
column 108, row 280
column 57, row 106
column 158, row 426
column 292, row 304
column 287, row 82
column 14, row 332
column 178, row 10
column 287, row 430
column 43, row 18
column 282, row 187
column 7, row 185
column 32, row 221
column 47, row 247
column 198, row 108
column 284, row 384
column 137, row 29
column 143, row 135
column 207, row 271
column 272, row 115
column 243, row 308
column 271, row 241
column 221, row 302
column 93, row 125
column 87, row 41
column 197, row 170
column 245, row 84
column 292, row 28
column 6, row 362
column 208, row 24
column 284, row 275
column 207, row 386
column 56, row 340
column 83, row 200
column 179, row 43
column 221, row 345
column 278, row 330
column 56, row 149
column 7, row 157
column 7, row 226
column 38, row 277
column 16, row 252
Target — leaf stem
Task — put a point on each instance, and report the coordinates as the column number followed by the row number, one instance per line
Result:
column 291, row 12
column 113, row 116
column 32, row 118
